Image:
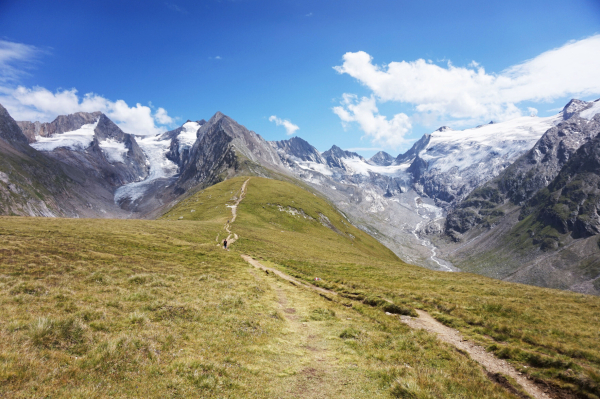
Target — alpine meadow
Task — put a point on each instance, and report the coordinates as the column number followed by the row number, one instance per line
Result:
column 300, row 199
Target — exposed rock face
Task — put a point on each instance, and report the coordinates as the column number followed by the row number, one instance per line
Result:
column 412, row 153
column 527, row 175
column 334, row 157
column 221, row 150
column 9, row 129
column 106, row 152
column 62, row 124
column 571, row 201
column 300, row 149
column 382, row 158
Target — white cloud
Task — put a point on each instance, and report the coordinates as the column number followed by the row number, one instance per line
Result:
column 469, row 94
column 13, row 57
column 290, row 128
column 40, row 104
column 377, row 127
column 161, row 117
column 532, row 111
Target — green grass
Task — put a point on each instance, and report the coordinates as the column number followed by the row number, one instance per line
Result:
column 129, row 308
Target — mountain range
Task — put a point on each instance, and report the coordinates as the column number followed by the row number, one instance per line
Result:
column 515, row 200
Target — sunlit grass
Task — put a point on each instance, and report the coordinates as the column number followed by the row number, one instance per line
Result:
column 114, row 308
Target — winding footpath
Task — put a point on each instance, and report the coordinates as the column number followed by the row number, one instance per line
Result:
column 232, row 237
column 446, row 334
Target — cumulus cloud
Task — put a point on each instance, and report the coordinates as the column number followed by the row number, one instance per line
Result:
column 290, row 128
column 40, row 104
column 364, row 112
column 470, row 94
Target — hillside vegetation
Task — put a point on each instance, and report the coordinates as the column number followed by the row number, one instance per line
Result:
column 125, row 308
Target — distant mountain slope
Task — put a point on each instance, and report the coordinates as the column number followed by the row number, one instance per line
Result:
column 33, row 184
column 537, row 221
column 95, row 144
column 222, row 149
column 401, row 200
column 528, row 174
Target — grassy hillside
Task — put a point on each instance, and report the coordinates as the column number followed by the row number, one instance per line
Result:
column 114, row 308
column 548, row 334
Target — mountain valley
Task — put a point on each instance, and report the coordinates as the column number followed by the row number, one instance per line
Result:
column 157, row 307
column 433, row 205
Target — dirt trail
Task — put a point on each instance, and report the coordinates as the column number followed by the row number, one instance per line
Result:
column 315, row 365
column 477, row 353
column 284, row 276
column 232, row 237
column 492, row 364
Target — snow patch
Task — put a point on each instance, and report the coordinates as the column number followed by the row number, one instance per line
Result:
column 361, row 167
column 113, row 150
column 156, row 150
column 466, row 148
column 76, row 140
column 590, row 112
column 187, row 137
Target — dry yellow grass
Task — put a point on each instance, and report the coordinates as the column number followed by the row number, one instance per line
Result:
column 114, row 308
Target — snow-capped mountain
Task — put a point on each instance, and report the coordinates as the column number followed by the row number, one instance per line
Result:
column 400, row 200
column 90, row 142
column 37, row 183
column 167, row 153
column 406, row 198
column 537, row 219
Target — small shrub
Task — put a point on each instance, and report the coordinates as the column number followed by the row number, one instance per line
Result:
column 397, row 309
column 374, row 301
column 321, row 314
column 50, row 333
column 350, row 333
column 140, row 279
column 29, row 289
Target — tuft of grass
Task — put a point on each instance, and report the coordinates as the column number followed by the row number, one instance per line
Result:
column 52, row 333
column 320, row 314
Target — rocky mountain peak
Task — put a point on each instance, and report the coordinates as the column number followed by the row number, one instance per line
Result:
column 9, row 129
column 573, row 107
column 335, row 154
column 419, row 146
column 107, row 129
column 443, row 129
column 382, row 158
column 298, row 148
column 61, row 124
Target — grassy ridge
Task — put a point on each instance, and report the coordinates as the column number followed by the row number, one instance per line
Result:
column 113, row 308
column 549, row 334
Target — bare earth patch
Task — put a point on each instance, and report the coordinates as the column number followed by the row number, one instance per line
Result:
column 492, row 364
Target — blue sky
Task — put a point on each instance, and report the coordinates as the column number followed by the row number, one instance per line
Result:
column 343, row 72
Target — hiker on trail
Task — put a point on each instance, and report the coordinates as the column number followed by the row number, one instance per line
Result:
column 225, row 244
